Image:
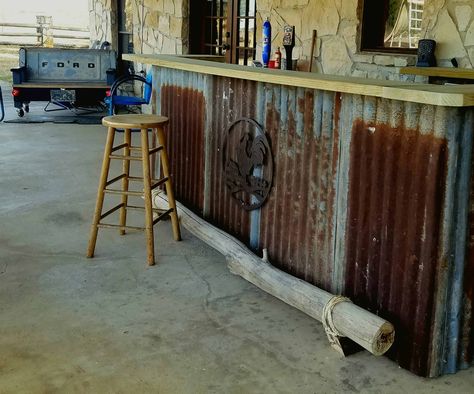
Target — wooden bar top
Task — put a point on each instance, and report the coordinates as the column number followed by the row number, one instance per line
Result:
column 442, row 95
column 446, row 72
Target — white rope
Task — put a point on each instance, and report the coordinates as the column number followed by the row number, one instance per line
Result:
column 328, row 323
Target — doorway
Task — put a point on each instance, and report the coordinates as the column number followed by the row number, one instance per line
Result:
column 223, row 28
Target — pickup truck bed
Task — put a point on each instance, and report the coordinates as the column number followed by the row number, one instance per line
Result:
column 68, row 77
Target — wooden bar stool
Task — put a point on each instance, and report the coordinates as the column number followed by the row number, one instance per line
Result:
column 143, row 123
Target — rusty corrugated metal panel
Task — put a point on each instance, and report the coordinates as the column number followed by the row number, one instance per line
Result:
column 458, row 336
column 370, row 198
column 182, row 99
column 297, row 221
column 393, row 233
column 402, row 224
column 467, row 329
column 232, row 99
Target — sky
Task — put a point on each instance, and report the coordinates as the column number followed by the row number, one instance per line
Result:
column 64, row 12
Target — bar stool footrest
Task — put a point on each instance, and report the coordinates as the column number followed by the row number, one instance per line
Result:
column 162, row 216
column 154, row 150
column 122, row 192
column 124, row 157
column 159, row 182
column 118, row 147
column 107, row 225
column 112, row 210
column 136, row 208
column 117, row 178
column 161, row 212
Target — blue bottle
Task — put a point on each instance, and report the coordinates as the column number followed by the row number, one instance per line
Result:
column 267, row 42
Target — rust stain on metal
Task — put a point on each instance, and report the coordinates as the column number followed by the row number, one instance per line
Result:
column 296, row 225
column 396, row 195
column 234, row 99
column 467, row 328
column 185, row 142
column 390, row 192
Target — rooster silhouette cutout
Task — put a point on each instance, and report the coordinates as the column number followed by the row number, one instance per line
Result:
column 241, row 175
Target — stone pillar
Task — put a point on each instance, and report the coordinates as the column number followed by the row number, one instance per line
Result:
column 103, row 21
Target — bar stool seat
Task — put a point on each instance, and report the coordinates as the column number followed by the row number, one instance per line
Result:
column 135, row 121
column 129, row 123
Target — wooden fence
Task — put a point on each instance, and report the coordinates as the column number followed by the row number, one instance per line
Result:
column 43, row 33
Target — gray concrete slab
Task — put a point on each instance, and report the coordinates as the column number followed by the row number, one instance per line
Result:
column 113, row 325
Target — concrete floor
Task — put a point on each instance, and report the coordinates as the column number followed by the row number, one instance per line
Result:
column 112, row 325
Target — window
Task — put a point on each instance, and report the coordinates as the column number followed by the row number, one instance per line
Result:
column 244, row 32
column 391, row 25
column 223, row 28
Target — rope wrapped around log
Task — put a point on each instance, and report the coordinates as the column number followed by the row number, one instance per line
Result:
column 343, row 318
column 328, row 323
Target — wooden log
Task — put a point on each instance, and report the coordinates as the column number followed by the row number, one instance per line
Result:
column 366, row 329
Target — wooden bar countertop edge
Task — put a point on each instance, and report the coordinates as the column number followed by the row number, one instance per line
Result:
column 446, row 72
column 442, row 95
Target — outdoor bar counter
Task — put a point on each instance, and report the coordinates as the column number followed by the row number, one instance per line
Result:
column 361, row 187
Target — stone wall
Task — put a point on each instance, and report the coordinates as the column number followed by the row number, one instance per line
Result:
column 449, row 22
column 161, row 26
column 103, row 21
column 336, row 22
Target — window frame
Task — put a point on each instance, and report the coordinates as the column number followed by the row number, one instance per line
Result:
column 234, row 22
column 373, row 14
column 201, row 39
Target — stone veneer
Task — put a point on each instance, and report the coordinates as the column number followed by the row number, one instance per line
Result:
column 103, row 21
column 160, row 26
column 165, row 27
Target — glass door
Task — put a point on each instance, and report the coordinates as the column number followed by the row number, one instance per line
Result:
column 243, row 32
column 216, row 19
column 223, row 28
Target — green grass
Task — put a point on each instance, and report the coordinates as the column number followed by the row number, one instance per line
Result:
column 5, row 65
column 8, row 60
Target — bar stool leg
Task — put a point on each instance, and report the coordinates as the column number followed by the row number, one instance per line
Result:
column 168, row 185
column 153, row 156
column 127, row 139
column 100, row 193
column 147, row 195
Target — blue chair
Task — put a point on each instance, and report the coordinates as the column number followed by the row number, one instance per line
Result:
column 115, row 99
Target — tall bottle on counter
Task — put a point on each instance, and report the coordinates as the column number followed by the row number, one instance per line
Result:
column 278, row 58
column 267, row 42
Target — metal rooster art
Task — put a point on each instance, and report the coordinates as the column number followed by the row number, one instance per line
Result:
column 249, row 168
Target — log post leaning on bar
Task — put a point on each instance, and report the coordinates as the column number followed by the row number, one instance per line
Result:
column 366, row 329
